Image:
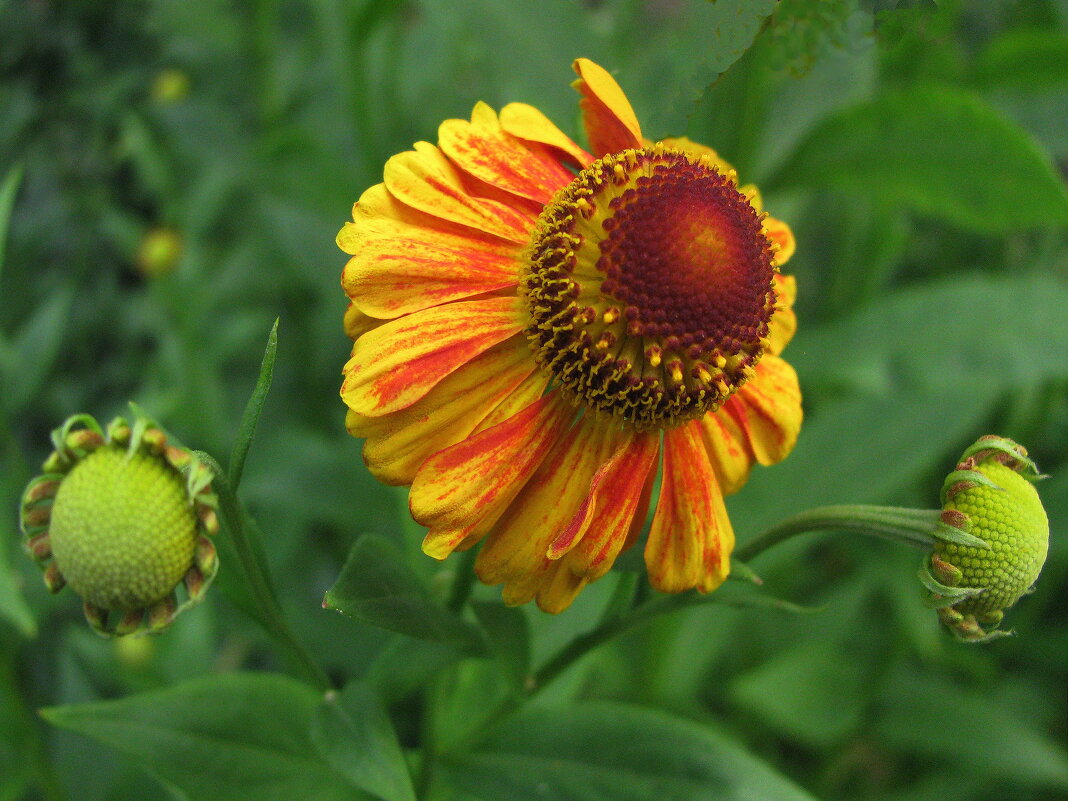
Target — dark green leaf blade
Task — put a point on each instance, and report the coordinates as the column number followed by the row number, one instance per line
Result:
column 229, row 737
column 8, row 189
column 377, row 586
column 508, row 636
column 354, row 734
column 252, row 411
column 34, row 350
column 594, row 751
column 938, row 151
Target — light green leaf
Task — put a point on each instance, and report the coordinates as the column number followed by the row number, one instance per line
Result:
column 354, row 734
column 231, row 737
column 998, row 332
column 377, row 586
column 597, row 751
column 1029, row 59
column 938, row 151
column 252, row 411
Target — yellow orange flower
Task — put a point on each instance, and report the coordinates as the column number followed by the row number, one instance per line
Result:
column 540, row 331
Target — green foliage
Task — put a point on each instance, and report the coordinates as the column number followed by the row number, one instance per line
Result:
column 916, row 148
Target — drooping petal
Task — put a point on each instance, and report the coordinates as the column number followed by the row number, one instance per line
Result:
column 727, row 442
column 784, row 321
column 356, row 323
column 398, row 443
column 396, row 364
column 610, row 122
column 782, row 237
column 425, row 180
column 480, row 475
column 771, row 402
column 691, row 538
column 483, row 149
column 529, row 124
column 413, row 268
column 515, row 552
column 596, row 534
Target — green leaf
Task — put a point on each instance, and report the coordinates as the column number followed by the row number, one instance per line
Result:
column 355, row 735
column 8, row 189
column 997, row 332
column 508, row 636
column 34, row 350
column 229, row 737
column 807, row 692
column 597, row 751
column 938, row 151
column 1026, row 59
column 377, row 586
column 252, row 411
column 971, row 729
column 13, row 606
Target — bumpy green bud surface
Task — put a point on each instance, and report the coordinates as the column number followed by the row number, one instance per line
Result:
column 991, row 541
column 1014, row 524
column 123, row 531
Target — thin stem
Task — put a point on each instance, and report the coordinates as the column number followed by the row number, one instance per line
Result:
column 463, row 581
column 909, row 526
column 259, row 582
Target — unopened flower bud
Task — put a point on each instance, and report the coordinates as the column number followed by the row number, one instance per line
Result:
column 991, row 540
column 123, row 518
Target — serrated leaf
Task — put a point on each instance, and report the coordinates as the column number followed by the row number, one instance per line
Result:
column 597, row 751
column 229, row 737
column 378, row 587
column 938, row 151
column 354, row 734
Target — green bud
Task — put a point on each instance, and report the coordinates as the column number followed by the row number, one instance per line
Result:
column 124, row 520
column 991, row 541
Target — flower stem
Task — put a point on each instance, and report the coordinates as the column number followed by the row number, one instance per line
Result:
column 463, row 581
column 235, row 521
column 909, row 526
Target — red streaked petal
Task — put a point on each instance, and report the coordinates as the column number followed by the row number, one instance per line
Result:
column 558, row 588
column 482, row 149
column 524, row 395
column 416, row 268
column 398, row 443
column 515, row 551
column 596, row 534
column 357, row 323
column 425, row 180
column 772, row 404
column 397, row 363
column 610, row 122
column 727, row 443
column 529, row 124
column 476, row 478
column 691, row 539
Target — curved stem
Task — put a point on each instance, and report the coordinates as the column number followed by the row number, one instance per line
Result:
column 255, row 572
column 909, row 526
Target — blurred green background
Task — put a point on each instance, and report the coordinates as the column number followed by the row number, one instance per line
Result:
column 185, row 168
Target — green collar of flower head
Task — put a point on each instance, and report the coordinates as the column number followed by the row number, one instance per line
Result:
column 991, row 540
column 124, row 518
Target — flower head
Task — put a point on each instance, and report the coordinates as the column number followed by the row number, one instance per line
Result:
column 991, row 541
column 541, row 330
column 124, row 519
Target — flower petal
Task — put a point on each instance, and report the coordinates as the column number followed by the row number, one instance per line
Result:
column 515, row 551
column 691, row 538
column 610, row 122
column 357, row 323
column 476, row 478
column 398, row 443
column 783, row 323
column 482, row 149
column 397, row 363
column 772, row 406
column 727, row 442
column 425, row 180
column 595, row 535
column 782, row 237
column 687, row 145
column 413, row 268
column 529, row 124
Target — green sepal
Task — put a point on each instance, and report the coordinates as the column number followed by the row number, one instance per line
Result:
column 59, row 435
column 741, row 570
column 973, row 476
column 948, row 533
column 1006, row 446
column 947, row 595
